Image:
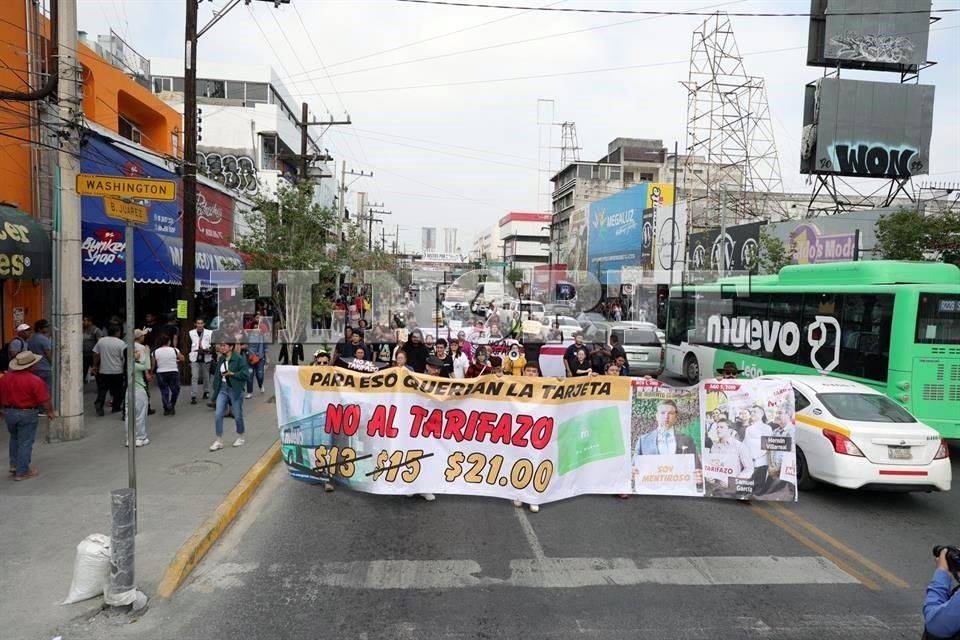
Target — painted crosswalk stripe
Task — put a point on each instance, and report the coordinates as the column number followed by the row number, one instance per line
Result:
column 566, row 573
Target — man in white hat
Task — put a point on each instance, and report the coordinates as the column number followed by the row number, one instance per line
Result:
column 19, row 343
column 22, row 394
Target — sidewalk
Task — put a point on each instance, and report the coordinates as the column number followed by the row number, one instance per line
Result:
column 180, row 483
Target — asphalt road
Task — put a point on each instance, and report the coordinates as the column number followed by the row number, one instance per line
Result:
column 299, row 563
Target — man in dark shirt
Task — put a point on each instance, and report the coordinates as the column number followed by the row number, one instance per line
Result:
column 171, row 329
column 570, row 355
column 616, row 349
column 356, row 341
column 22, row 395
column 343, row 348
column 440, row 351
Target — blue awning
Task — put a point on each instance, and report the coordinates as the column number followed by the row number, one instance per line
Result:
column 157, row 258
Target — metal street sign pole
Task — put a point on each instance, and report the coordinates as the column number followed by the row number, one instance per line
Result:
column 131, row 372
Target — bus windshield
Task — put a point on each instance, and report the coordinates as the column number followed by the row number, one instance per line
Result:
column 938, row 319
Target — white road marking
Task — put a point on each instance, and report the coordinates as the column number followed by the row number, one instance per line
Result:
column 567, row 573
column 528, row 531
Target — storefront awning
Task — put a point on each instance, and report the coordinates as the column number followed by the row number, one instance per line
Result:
column 24, row 246
column 157, row 258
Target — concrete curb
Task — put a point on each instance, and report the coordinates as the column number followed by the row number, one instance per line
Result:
column 194, row 549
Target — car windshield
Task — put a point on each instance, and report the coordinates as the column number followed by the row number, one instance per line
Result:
column 864, row 407
column 637, row 337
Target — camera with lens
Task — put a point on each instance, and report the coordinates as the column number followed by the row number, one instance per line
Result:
column 953, row 557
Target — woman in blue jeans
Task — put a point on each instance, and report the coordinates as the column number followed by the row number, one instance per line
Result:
column 229, row 380
column 256, row 354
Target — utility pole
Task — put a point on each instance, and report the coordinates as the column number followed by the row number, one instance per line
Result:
column 188, row 222
column 71, row 373
column 344, row 187
column 304, row 125
column 371, row 211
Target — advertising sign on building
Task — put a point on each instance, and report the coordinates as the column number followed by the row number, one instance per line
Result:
column 853, row 34
column 214, row 216
column 620, row 233
column 864, row 129
column 733, row 250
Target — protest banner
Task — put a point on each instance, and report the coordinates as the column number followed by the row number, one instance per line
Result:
column 749, row 439
column 531, row 439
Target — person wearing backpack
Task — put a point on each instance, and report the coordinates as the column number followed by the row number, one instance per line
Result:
column 15, row 346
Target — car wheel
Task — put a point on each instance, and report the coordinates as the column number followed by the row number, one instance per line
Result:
column 805, row 481
column 691, row 368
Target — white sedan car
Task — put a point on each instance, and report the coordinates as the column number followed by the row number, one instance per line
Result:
column 852, row 436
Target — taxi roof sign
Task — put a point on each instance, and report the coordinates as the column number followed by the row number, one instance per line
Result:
column 122, row 187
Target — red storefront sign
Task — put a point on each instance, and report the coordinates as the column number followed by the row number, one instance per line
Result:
column 214, row 216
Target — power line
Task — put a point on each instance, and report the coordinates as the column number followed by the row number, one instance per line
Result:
column 512, row 43
column 652, row 12
column 429, row 39
column 576, row 73
column 316, row 51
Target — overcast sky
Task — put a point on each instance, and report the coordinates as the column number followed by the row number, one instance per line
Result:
column 463, row 153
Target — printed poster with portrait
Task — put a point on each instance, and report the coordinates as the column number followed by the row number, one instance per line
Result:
column 666, row 439
column 749, row 439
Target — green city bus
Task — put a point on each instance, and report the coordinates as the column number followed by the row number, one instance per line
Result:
column 894, row 326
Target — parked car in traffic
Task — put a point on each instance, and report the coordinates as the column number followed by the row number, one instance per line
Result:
column 852, row 436
column 644, row 348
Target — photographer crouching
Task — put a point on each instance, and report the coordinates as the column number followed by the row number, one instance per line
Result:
column 941, row 607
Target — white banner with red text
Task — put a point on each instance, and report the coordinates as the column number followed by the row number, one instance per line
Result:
column 531, row 439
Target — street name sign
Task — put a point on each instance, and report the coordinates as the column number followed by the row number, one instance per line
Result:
column 122, row 187
column 123, row 210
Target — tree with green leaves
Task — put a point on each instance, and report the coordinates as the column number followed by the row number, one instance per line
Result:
column 771, row 254
column 911, row 235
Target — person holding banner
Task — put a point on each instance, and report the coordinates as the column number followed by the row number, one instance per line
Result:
column 480, row 365
column 459, row 359
column 580, row 365
column 416, row 351
column 530, row 370
column 400, row 360
column 727, row 463
column 321, row 358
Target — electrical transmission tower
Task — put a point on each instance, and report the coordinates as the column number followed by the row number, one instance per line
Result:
column 731, row 170
column 569, row 145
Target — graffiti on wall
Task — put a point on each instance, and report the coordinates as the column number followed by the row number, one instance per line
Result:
column 873, row 47
column 235, row 172
column 873, row 160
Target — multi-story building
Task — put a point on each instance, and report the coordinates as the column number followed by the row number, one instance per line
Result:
column 525, row 240
column 428, row 239
column 486, row 245
column 249, row 126
column 450, row 240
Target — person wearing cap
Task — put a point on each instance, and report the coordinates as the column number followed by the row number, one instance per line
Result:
column 321, row 358
column 40, row 344
column 435, row 367
column 19, row 342
column 141, row 401
column 22, row 395
column 729, row 371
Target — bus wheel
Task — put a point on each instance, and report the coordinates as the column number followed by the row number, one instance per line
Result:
column 805, row 481
column 691, row 368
